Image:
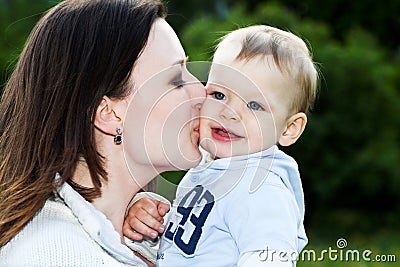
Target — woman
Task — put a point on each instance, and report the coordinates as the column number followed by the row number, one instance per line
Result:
column 91, row 73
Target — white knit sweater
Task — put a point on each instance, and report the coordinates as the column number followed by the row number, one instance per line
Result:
column 68, row 231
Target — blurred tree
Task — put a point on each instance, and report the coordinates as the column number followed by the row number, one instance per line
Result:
column 17, row 18
column 381, row 19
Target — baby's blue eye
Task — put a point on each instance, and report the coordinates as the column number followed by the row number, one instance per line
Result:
column 218, row 95
column 254, row 105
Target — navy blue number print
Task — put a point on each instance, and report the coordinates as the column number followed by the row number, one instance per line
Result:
column 186, row 211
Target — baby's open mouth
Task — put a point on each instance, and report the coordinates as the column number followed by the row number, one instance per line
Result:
column 224, row 133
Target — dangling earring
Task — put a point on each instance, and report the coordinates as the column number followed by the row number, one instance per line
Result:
column 118, row 137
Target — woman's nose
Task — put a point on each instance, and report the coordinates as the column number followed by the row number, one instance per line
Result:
column 197, row 93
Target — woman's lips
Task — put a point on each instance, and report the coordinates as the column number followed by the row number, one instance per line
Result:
column 196, row 131
column 224, row 135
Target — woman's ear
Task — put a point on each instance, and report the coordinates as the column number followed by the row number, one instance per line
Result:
column 107, row 118
column 294, row 129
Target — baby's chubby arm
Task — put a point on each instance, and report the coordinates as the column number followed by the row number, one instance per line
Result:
column 145, row 216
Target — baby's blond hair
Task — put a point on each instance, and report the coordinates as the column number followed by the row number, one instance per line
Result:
column 290, row 54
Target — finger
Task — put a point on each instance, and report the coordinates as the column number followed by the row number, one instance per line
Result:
column 149, row 205
column 155, row 223
column 163, row 208
column 130, row 233
column 144, row 228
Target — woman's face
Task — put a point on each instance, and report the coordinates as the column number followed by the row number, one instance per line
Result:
column 161, row 126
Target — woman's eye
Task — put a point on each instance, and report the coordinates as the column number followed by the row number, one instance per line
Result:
column 179, row 83
column 254, row 105
column 218, row 95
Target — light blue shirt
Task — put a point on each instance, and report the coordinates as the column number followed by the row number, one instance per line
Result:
column 232, row 206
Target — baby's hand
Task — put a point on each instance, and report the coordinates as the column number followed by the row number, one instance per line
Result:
column 145, row 217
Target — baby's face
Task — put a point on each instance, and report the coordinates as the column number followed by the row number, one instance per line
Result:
column 246, row 106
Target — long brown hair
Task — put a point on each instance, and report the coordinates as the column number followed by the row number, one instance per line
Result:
column 78, row 52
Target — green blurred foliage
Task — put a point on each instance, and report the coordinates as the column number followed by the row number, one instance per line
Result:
column 17, row 19
column 380, row 18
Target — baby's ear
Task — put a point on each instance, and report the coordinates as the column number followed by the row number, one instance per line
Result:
column 294, row 129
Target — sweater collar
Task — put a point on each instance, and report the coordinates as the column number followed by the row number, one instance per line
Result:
column 96, row 224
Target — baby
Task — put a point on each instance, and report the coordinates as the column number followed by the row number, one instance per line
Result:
column 245, row 205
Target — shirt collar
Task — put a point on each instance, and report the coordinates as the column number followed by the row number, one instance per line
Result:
column 237, row 161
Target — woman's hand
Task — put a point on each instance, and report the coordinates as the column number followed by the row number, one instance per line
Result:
column 145, row 217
